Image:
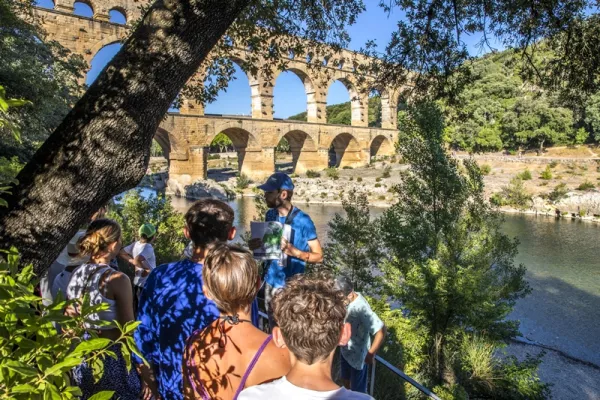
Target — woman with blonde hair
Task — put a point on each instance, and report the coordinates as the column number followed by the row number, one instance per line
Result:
column 230, row 354
column 96, row 278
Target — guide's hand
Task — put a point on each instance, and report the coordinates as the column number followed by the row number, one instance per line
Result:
column 255, row 243
column 288, row 248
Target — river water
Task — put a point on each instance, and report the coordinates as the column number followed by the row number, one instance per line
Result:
column 563, row 268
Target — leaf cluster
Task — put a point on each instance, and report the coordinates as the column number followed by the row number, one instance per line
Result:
column 133, row 210
column 448, row 262
column 39, row 345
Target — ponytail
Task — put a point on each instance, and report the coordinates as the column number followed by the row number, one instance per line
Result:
column 99, row 235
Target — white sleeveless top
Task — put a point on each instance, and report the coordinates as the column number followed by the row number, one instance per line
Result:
column 86, row 279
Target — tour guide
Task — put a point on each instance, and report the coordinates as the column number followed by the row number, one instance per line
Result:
column 303, row 247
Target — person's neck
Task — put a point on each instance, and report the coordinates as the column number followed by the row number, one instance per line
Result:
column 199, row 255
column 242, row 314
column 284, row 209
column 315, row 377
column 103, row 259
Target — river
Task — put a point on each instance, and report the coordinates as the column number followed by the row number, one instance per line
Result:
column 563, row 268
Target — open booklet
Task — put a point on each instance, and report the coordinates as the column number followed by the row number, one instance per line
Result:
column 270, row 233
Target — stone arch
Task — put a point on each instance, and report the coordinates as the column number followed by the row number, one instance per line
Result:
column 162, row 138
column 303, row 149
column 120, row 10
column 357, row 99
column 205, row 76
column 381, row 146
column 309, row 88
column 244, row 143
column 99, row 45
column 344, row 150
column 87, row 3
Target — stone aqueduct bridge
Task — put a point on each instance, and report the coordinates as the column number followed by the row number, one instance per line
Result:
column 186, row 136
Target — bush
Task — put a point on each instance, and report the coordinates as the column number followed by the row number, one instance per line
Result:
column 514, row 194
column 133, row 210
column 312, row 174
column 386, row 172
column 359, row 179
column 582, row 213
column 242, row 181
column 559, row 192
column 346, row 167
column 382, row 197
column 378, row 179
column 525, row 175
column 553, row 164
column 323, row 195
column 35, row 359
column 378, row 185
column 485, row 169
column 351, row 178
column 586, row 186
column 332, row 172
column 546, row 174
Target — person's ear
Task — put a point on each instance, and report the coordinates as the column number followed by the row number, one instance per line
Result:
column 231, row 233
column 186, row 232
column 345, row 334
column 278, row 338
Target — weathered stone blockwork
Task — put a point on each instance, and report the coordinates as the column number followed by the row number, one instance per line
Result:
column 186, row 136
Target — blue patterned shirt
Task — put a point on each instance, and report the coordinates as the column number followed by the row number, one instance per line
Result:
column 172, row 306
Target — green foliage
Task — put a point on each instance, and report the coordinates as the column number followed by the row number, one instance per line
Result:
column 484, row 376
column 386, row 172
column 156, row 150
column 222, row 143
column 359, row 179
column 36, row 69
column 35, row 360
column 485, row 169
column 448, row 262
column 283, row 146
column 9, row 168
column 546, row 173
column 332, row 172
column 353, row 246
column 592, row 115
column 525, row 175
column 312, row 174
column 242, row 181
column 514, row 194
column 553, row 164
column 377, row 185
column 378, row 179
column 341, row 114
column 133, row 210
column 497, row 110
column 587, row 185
column 558, row 193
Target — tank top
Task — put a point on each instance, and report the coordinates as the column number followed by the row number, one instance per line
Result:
column 86, row 279
column 202, row 391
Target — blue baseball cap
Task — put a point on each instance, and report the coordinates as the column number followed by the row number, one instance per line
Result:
column 277, row 181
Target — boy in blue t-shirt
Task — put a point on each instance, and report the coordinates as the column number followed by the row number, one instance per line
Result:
column 303, row 246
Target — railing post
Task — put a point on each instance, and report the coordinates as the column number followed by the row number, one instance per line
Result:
column 372, row 383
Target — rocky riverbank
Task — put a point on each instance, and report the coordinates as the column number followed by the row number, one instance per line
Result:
column 563, row 180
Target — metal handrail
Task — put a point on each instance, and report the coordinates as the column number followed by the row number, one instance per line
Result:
column 389, row 366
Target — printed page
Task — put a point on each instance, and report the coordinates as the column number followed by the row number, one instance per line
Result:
column 270, row 233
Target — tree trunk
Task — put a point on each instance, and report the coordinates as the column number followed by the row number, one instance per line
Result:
column 102, row 147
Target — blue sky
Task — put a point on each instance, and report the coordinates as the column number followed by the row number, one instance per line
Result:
column 289, row 95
